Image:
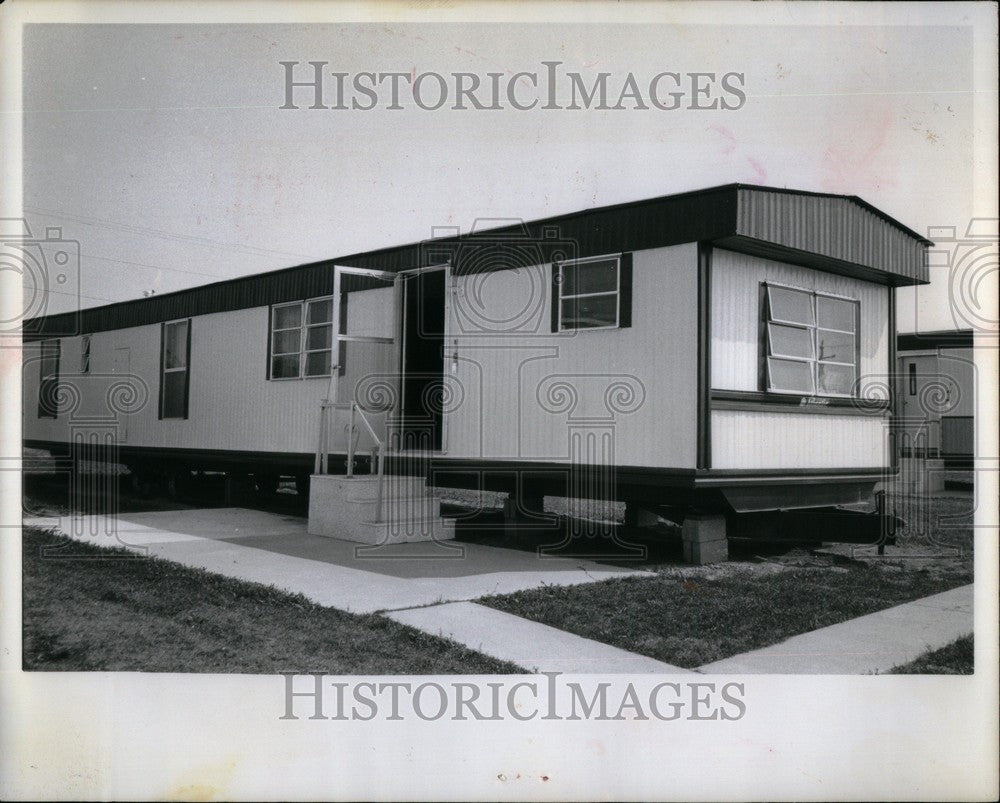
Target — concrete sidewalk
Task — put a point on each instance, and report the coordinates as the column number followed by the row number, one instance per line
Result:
column 874, row 643
column 534, row 646
column 276, row 550
column 430, row 587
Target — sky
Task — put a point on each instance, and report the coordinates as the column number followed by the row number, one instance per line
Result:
column 162, row 149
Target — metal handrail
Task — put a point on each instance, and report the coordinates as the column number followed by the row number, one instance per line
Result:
column 322, row 454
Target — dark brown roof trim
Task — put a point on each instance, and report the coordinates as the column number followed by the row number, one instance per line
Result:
column 693, row 216
column 948, row 338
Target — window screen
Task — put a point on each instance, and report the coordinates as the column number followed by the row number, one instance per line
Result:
column 48, row 379
column 301, row 339
column 589, row 294
column 174, row 373
column 319, row 337
column 85, row 354
column 811, row 342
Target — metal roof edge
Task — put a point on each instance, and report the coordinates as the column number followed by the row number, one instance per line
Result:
column 331, row 261
column 765, row 249
column 35, row 323
column 939, row 338
column 854, row 198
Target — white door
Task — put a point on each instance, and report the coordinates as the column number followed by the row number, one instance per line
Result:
column 365, row 352
column 924, row 393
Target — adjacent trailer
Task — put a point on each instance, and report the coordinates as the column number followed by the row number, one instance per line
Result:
column 721, row 355
column 936, row 388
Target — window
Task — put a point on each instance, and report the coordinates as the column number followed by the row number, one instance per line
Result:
column 913, row 378
column 48, row 379
column 811, row 342
column 301, row 339
column 85, row 355
column 318, row 337
column 592, row 293
column 175, row 357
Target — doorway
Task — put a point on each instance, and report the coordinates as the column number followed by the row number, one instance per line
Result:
column 423, row 360
column 919, row 424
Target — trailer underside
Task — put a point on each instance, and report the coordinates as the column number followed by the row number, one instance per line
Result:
column 754, row 505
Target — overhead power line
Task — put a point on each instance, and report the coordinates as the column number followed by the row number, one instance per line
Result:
column 75, row 295
column 166, row 235
column 158, row 267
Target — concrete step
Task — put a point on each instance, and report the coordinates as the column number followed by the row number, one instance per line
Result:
column 366, row 486
column 346, row 508
column 401, row 486
column 393, row 508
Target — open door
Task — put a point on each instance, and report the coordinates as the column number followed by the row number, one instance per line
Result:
column 388, row 359
column 365, row 355
column 422, row 359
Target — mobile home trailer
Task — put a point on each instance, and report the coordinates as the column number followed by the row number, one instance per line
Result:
column 726, row 352
column 936, row 391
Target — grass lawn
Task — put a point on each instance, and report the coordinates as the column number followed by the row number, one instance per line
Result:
column 689, row 616
column 109, row 610
column 955, row 659
column 693, row 621
column 154, row 615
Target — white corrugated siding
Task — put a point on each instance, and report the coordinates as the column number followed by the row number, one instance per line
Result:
column 958, row 368
column 506, row 396
column 530, row 394
column 742, row 440
column 945, row 387
column 232, row 405
column 736, row 280
column 82, row 397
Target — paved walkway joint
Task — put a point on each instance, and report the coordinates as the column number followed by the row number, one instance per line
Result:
column 534, row 646
column 276, row 550
column 875, row 643
column 434, row 595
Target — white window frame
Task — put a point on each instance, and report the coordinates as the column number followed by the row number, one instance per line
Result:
column 303, row 327
column 271, row 335
column 815, row 361
column 85, row 354
column 616, row 292
column 164, row 370
column 54, row 347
